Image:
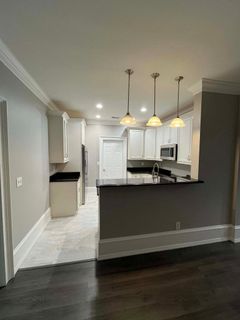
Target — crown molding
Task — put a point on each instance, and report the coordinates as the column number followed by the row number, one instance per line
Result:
column 217, row 86
column 111, row 122
column 11, row 62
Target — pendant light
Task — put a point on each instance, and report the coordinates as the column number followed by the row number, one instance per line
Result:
column 128, row 120
column 154, row 121
column 177, row 122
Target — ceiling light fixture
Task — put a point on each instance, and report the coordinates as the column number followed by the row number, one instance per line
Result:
column 98, row 116
column 154, row 121
column 178, row 122
column 99, row 106
column 143, row 109
column 128, row 120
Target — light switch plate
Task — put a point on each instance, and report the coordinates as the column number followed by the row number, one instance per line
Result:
column 19, row 182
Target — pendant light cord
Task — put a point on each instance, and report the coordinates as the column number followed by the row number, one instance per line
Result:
column 178, row 79
column 128, row 98
column 154, row 76
column 154, row 98
column 178, row 99
column 129, row 72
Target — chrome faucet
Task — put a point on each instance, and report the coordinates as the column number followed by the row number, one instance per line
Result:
column 155, row 170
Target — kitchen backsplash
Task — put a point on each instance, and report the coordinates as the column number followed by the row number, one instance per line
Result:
column 140, row 163
column 173, row 166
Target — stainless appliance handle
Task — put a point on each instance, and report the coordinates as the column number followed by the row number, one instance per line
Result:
column 86, row 163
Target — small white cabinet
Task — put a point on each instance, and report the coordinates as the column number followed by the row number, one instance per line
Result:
column 65, row 198
column 185, row 142
column 135, row 144
column 150, row 144
column 58, row 137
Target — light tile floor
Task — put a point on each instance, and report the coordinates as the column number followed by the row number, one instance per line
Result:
column 68, row 239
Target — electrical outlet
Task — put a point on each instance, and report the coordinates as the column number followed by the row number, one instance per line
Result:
column 19, row 182
column 178, row 225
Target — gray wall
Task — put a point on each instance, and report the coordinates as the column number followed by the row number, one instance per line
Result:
column 157, row 208
column 93, row 133
column 236, row 191
column 28, row 151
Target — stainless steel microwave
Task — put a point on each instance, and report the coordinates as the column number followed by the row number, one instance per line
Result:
column 168, row 152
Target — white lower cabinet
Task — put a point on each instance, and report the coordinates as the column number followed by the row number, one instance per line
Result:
column 185, row 142
column 65, row 198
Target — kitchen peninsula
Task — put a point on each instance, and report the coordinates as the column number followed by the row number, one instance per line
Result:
column 136, row 213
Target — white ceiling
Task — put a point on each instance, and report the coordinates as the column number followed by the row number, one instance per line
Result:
column 77, row 50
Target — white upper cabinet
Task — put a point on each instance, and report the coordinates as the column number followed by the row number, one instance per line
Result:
column 58, row 137
column 185, row 142
column 159, row 141
column 136, row 144
column 170, row 135
column 150, row 144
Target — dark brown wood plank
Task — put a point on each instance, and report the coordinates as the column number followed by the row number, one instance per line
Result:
column 193, row 283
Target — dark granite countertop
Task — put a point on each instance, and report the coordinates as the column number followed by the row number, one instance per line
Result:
column 65, row 177
column 161, row 180
column 148, row 170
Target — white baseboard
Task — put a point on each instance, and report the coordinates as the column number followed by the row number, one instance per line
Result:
column 91, row 189
column 235, row 234
column 146, row 243
column 23, row 248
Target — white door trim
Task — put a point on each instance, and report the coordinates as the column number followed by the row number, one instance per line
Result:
column 6, row 261
column 101, row 140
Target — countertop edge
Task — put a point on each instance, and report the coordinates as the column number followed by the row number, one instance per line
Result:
column 149, row 184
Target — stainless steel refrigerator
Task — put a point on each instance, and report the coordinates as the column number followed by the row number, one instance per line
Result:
column 84, row 172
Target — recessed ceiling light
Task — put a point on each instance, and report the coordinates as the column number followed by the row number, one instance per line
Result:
column 98, row 116
column 99, row 106
column 143, row 109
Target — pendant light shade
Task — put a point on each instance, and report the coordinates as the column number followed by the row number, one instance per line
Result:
column 128, row 120
column 154, row 121
column 177, row 122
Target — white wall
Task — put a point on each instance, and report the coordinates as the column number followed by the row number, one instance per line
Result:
column 28, row 153
column 93, row 133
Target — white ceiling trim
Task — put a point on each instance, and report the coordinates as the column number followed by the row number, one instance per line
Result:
column 111, row 123
column 11, row 62
column 217, row 86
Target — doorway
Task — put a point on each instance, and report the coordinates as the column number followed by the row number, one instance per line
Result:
column 6, row 246
column 113, row 158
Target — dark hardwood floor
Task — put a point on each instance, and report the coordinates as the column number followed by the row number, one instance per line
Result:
column 196, row 283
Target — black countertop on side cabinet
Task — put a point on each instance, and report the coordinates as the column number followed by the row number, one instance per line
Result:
column 161, row 180
column 65, row 177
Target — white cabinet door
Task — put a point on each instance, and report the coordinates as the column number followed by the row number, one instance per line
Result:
column 166, row 134
column 65, row 140
column 185, row 142
column 173, row 135
column 150, row 144
column 170, row 135
column 58, row 137
column 159, row 142
column 135, row 143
